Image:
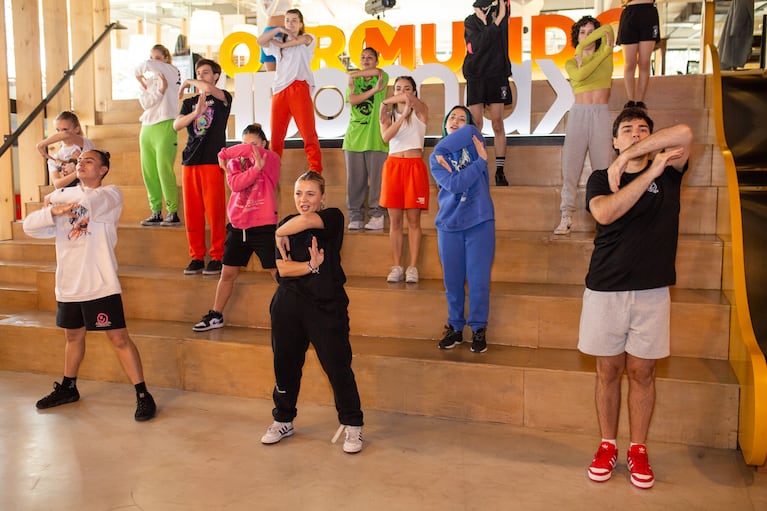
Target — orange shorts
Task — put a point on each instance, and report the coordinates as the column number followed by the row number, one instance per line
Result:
column 405, row 184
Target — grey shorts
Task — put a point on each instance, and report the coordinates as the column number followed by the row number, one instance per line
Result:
column 635, row 322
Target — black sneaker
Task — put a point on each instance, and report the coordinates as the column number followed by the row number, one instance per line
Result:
column 500, row 178
column 450, row 339
column 209, row 321
column 213, row 268
column 145, row 407
column 478, row 343
column 195, row 267
column 154, row 220
column 59, row 396
column 171, row 220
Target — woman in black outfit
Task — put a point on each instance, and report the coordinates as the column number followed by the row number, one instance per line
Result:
column 310, row 305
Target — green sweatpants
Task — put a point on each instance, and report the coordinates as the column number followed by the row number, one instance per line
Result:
column 158, row 153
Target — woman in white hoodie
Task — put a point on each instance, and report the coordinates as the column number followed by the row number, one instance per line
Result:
column 158, row 141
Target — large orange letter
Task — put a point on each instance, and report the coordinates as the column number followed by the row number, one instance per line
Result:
column 402, row 45
column 429, row 46
column 538, row 37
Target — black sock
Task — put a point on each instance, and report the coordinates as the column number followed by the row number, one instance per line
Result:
column 500, row 163
column 69, row 383
column 140, row 388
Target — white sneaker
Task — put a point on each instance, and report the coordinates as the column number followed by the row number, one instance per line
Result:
column 353, row 440
column 355, row 225
column 411, row 275
column 564, row 225
column 276, row 432
column 376, row 223
column 395, row 275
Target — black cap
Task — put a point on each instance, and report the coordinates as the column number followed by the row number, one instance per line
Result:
column 482, row 3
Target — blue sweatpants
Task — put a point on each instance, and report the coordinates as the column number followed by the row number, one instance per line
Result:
column 467, row 256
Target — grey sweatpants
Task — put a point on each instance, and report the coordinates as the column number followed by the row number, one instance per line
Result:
column 363, row 178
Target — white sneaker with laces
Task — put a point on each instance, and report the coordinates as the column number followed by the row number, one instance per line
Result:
column 375, row 223
column 564, row 225
column 355, row 225
column 353, row 440
column 276, row 432
column 411, row 275
column 395, row 275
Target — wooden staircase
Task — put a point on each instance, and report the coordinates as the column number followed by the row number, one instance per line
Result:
column 531, row 376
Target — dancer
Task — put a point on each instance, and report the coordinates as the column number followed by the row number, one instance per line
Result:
column 310, row 306
column 158, row 141
column 83, row 219
column 293, row 49
column 588, row 122
column 626, row 306
column 405, row 180
column 275, row 11
column 61, row 164
column 487, row 70
column 364, row 149
column 465, row 227
column 252, row 172
column 638, row 31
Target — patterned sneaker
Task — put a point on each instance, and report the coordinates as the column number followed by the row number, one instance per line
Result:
column 639, row 466
column 353, row 440
column 145, row 407
column 375, row 223
column 478, row 342
column 601, row 468
column 450, row 339
column 276, row 432
column 411, row 275
column 395, row 275
column 209, row 321
column 195, row 267
column 59, row 396
column 171, row 220
column 565, row 225
column 154, row 220
column 213, row 268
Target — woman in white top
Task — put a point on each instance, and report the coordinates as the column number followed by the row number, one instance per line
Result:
column 158, row 141
column 61, row 163
column 293, row 82
column 405, row 180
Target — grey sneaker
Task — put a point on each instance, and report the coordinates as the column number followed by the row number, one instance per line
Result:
column 171, row 220
column 376, row 223
column 154, row 220
column 565, row 224
column 276, row 432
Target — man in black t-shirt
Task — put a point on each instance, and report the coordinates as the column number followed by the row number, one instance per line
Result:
column 205, row 117
column 626, row 305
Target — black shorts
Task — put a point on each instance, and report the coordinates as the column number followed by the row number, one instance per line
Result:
column 488, row 91
column 638, row 23
column 240, row 244
column 100, row 314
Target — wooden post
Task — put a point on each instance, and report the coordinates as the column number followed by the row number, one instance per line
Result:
column 26, row 31
column 82, row 37
column 102, row 57
column 56, row 36
column 7, row 196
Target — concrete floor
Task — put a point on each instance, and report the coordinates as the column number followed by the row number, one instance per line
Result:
column 202, row 452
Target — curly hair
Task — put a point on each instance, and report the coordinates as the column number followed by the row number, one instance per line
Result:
column 577, row 28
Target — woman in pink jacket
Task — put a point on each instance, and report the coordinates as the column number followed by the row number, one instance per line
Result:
column 252, row 173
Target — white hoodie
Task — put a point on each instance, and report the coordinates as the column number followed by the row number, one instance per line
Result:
column 158, row 106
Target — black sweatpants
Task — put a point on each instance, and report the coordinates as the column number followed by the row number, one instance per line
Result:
column 297, row 321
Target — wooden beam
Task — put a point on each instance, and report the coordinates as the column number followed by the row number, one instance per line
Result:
column 81, row 30
column 7, row 194
column 29, row 93
column 56, row 36
column 102, row 56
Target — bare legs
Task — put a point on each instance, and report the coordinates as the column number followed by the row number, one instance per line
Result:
column 225, row 285
column 637, row 55
column 641, row 395
column 396, row 218
column 499, row 133
column 126, row 352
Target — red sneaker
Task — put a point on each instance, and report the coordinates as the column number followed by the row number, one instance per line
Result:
column 639, row 466
column 601, row 468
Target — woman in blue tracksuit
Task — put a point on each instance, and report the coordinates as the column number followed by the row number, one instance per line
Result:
column 465, row 226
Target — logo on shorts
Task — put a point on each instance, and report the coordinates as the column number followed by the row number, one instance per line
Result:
column 655, row 32
column 505, row 93
column 102, row 320
column 420, row 200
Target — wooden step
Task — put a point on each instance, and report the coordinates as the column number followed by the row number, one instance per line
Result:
column 19, row 295
column 530, row 315
column 539, row 388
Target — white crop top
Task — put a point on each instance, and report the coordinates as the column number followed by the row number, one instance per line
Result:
column 409, row 136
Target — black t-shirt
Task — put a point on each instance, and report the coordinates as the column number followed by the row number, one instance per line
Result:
column 638, row 250
column 207, row 133
column 328, row 285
